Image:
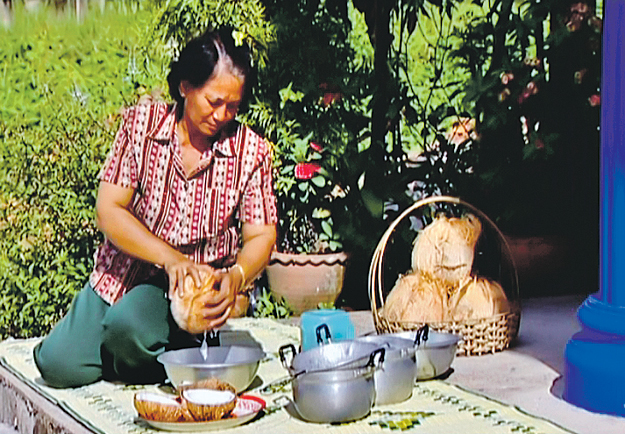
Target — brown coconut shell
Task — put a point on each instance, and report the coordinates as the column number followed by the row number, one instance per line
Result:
column 209, row 404
column 162, row 408
column 186, row 310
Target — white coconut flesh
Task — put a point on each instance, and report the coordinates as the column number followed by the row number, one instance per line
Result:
column 208, row 397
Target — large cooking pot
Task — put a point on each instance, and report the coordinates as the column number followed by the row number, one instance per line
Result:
column 340, row 391
column 435, row 351
column 394, row 382
column 234, row 364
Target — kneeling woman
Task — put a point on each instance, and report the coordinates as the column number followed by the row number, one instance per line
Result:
column 185, row 190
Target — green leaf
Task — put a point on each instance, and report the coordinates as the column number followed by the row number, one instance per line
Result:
column 327, row 228
column 321, row 213
column 374, row 204
column 319, row 181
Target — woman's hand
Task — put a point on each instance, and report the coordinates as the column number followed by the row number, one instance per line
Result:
column 179, row 268
column 218, row 304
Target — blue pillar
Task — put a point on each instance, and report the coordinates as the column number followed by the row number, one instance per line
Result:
column 594, row 371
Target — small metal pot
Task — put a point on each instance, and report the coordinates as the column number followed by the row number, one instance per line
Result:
column 332, row 395
column 435, row 351
column 395, row 380
column 234, row 364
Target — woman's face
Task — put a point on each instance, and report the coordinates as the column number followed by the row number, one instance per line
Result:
column 210, row 107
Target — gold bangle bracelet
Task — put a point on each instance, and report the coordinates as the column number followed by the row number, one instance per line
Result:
column 243, row 277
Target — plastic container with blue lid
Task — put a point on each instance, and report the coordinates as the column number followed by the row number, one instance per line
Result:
column 338, row 322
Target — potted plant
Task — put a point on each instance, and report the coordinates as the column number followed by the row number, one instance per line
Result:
column 308, row 266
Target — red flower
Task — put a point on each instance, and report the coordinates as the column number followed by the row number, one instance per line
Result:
column 331, row 94
column 317, row 147
column 594, row 100
column 306, row 170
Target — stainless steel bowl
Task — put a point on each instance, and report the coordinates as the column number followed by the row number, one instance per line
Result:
column 235, row 364
column 395, row 380
column 434, row 355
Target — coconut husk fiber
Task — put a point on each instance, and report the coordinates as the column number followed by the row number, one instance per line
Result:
column 444, row 249
column 478, row 298
column 416, row 298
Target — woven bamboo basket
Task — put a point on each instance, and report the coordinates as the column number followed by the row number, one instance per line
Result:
column 479, row 336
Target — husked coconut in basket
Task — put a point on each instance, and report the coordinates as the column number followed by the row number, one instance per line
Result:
column 444, row 249
column 415, row 298
column 478, row 298
column 441, row 287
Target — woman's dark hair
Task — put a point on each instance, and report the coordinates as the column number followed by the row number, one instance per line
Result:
column 199, row 57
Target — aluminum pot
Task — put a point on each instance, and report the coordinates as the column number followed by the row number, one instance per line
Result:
column 435, row 351
column 339, row 395
column 329, row 355
column 395, row 380
column 332, row 395
column 234, row 364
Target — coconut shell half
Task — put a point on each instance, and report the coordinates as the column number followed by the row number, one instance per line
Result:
column 209, row 404
column 162, row 408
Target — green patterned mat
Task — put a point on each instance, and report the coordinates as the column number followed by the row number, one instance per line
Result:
column 435, row 407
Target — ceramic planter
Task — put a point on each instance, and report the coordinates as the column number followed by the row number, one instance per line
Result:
column 304, row 280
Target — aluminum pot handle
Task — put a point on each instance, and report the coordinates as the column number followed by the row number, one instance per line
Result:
column 422, row 335
column 326, row 330
column 283, row 351
column 380, row 355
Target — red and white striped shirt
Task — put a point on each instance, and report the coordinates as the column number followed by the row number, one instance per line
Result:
column 200, row 214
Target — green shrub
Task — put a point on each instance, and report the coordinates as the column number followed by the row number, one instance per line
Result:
column 62, row 85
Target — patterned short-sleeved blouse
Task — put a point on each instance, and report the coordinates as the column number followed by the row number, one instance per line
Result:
column 199, row 215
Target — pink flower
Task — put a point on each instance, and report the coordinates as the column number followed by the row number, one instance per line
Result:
column 317, row 147
column 594, row 100
column 525, row 95
column 306, row 170
column 506, row 78
column 532, row 88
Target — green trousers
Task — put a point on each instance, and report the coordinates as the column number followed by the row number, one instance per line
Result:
column 118, row 342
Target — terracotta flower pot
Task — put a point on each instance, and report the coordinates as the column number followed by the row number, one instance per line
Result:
column 304, row 280
column 543, row 264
